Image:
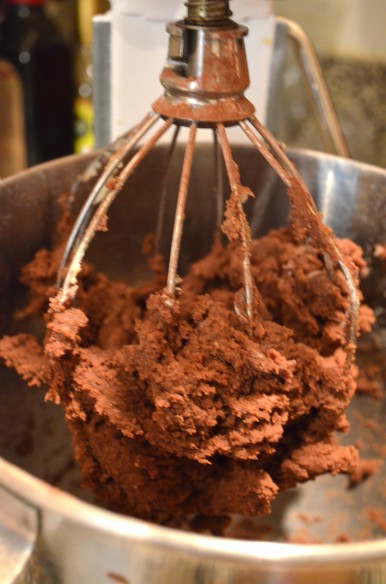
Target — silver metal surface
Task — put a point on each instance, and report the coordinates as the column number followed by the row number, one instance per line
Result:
column 18, row 537
column 289, row 33
column 101, row 75
column 81, row 543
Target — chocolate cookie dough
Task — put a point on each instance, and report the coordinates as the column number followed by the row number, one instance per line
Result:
column 181, row 408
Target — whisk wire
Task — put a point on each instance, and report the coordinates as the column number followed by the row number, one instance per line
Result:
column 164, row 191
column 238, row 190
column 318, row 232
column 180, row 211
column 100, row 188
column 266, row 151
column 98, row 219
column 287, row 172
column 219, row 181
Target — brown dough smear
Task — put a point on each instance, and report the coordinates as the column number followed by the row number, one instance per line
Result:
column 179, row 407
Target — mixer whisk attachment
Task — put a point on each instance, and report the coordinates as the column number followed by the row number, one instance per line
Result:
column 204, row 82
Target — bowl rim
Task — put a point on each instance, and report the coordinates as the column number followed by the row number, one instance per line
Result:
column 48, row 499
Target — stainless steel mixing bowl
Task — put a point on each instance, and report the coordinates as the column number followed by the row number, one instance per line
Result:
column 52, row 532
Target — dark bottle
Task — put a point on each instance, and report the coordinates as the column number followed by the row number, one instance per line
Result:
column 32, row 45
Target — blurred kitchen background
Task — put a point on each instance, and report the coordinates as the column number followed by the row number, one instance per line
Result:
column 348, row 35
column 350, row 39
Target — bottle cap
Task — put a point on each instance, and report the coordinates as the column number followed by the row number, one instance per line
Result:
column 27, row 2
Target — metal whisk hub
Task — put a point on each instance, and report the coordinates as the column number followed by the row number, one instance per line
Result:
column 206, row 74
